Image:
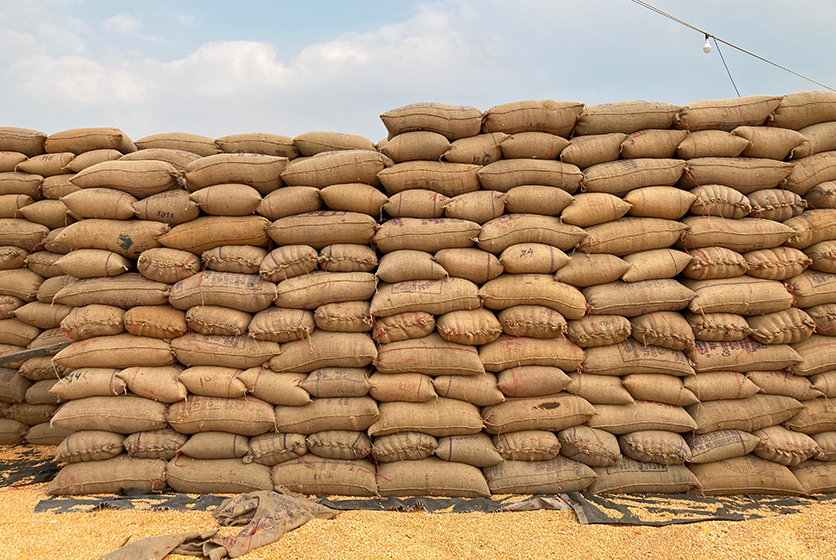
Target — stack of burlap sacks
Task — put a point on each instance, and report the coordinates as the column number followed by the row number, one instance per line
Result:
column 645, row 307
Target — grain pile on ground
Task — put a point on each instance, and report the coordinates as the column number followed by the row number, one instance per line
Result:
column 547, row 297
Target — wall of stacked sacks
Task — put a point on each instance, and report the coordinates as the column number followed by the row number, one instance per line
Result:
column 547, row 297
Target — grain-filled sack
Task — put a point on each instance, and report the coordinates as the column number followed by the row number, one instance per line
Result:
column 282, row 325
column 720, row 445
column 552, row 413
column 9, row 160
column 138, row 178
column 316, row 475
column 406, row 264
column 325, row 349
column 215, row 445
column 533, row 116
column 550, row 477
column 316, row 142
column 629, row 357
column 50, row 213
column 741, row 355
column 625, row 116
column 598, row 330
column 637, row 298
column 280, row 389
column 258, row 143
column 532, row 381
column 211, row 319
column 508, row 351
column 785, row 383
column 89, row 382
column 354, row 197
column 319, row 229
column 718, row 200
column 805, row 108
column 785, row 447
column 24, row 140
column 654, row 264
column 711, row 143
column 184, row 141
column 271, row 449
column 620, row 177
column 89, row 321
column 261, row 172
column 818, row 355
column 339, row 444
column 20, row 183
column 350, row 316
column 479, row 207
column 227, row 199
column 25, row 285
column 245, row 292
column 655, row 446
column 103, row 203
column 89, row 445
column 452, row 121
column 534, row 321
column 288, row 261
column 818, row 415
column 58, row 186
column 432, row 296
column 245, row 416
column 811, row 227
column 779, row 263
column 119, row 350
column 12, row 386
column 631, row 476
column 722, row 385
column 811, row 288
column 354, row 414
column 585, row 151
column 100, row 477
column 289, row 201
column 401, row 387
column 208, row 232
column 93, row 263
column 744, row 295
column 431, row 477
column 664, row 328
column 122, row 415
column 334, row 168
column 537, row 199
column 243, row 259
column 658, row 387
column 21, row 233
column 206, row 476
column 431, row 355
column 402, row 326
column 589, row 209
column 599, row 389
column 631, row 235
column 817, row 138
column 782, row 327
column 509, row 290
column 825, row 317
column 481, row 149
column 167, row 265
column 641, row 415
column 418, row 145
column 177, row 158
column 726, row 114
column 437, row 417
column 472, row 264
column 78, row 140
column 448, row 179
column 652, row 143
column 319, row 288
column 717, row 327
column 36, row 313
column 711, row 263
column 531, row 258
column 527, row 445
column 348, row 257
column 504, row 175
column 596, row 448
column 512, row 229
column 155, row 383
column 88, row 159
column 741, row 235
column 821, row 257
column 475, row 449
column 480, row 390
column 816, row 477
column 811, row 171
column 745, row 175
column 194, row 349
column 416, row 203
column 750, row 414
column 337, row 382
column 769, row 141
column 533, row 145
column 129, row 238
column 589, row 269
column 746, row 475
column 428, row 235
column 473, row 327
column 12, row 258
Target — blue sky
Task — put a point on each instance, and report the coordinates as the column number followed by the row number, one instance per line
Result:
column 218, row 68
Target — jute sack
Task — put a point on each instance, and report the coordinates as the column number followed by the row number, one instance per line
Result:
column 780, row 263
column 805, row 108
column 811, row 171
column 532, row 321
column 553, row 413
column 402, row 326
column 590, row 269
column 172, row 207
column 817, row 416
column 177, row 158
column 429, row 235
column 282, row 325
column 354, row 414
column 184, row 141
column 817, row 138
column 319, row 288
column 552, row 477
column 431, row 477
column 821, row 257
column 452, row 121
column 506, row 174
column 598, row 330
column 726, row 114
column 125, row 291
column 768, row 141
column 245, row 292
column 431, row 296
column 431, row 355
column 404, row 446
column 37, row 369
column 401, row 387
column 785, row 447
column 711, row 143
column 471, row 263
column 24, row 140
column 319, row 229
column 10, row 304
column 641, row 415
column 416, row 203
column 533, row 116
column 664, row 328
column 753, row 413
column 720, row 445
column 742, row 355
column 93, row 263
column 473, row 327
column 744, row 295
column 325, row 349
column 246, row 416
column 599, row 389
column 825, row 318
column 746, row 475
column 637, row 298
column 812, row 288
column 78, row 140
column 816, row 477
column 89, row 382
column 315, row 475
column 18, row 333
column 438, row 417
column 631, row 476
column 215, row 445
column 625, row 116
column 418, row 145
column 213, row 381
column 227, row 199
column 811, row 227
column 207, row 476
column 111, row 476
column 589, row 209
column 50, row 213
column 622, row 176
column 156, row 321
column 289, row 201
column 721, row 385
column 31, row 414
column 532, row 381
column 528, row 445
column 272, row 449
column 481, row 149
column 652, row 143
column 349, row 316
column 479, row 207
column 717, row 327
column 537, row 199
column 207, row 232
column 785, row 383
column 406, row 264
column 12, row 257
column 509, row 290
column 156, row 383
column 711, row 263
column 88, row 159
column 354, row 197
column 533, row 145
column 532, row 258
column 480, row 390
column 102, row 203
column 12, row 386
column 129, row 238
column 585, row 151
column 718, row 200
column 258, row 143
column 818, row 355
column 12, row 432
column 631, row 235
column 20, row 183
column 448, row 179
column 827, row 446
column 661, row 388
column 9, row 159
column 91, row 320
column 340, row 444
column 121, row 350
column 122, row 415
column 630, row 356
column 745, row 175
column 243, row 259
column 21, row 233
column 783, row 327
column 280, row 389
column 337, row 382
column 508, row 351
column 348, row 257
column 589, row 446
column 43, row 263
column 193, row 349
column 655, row 446
column 44, row 434
column 138, row 178
column 335, row 168
column 476, row 450
column 261, row 172
column 288, row 261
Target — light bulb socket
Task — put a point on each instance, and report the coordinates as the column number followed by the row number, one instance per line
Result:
column 707, row 47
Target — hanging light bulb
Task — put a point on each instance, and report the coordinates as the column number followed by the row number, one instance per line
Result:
column 706, row 48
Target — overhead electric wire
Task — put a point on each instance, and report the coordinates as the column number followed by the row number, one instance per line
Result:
column 717, row 39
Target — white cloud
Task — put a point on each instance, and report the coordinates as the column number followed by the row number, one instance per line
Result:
column 125, row 24
column 185, row 19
